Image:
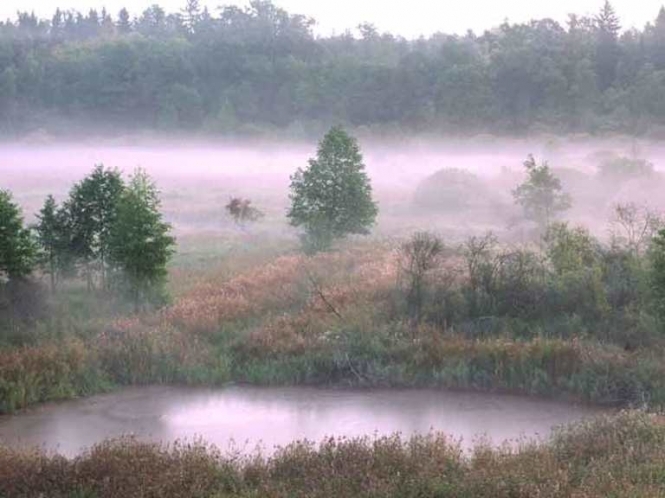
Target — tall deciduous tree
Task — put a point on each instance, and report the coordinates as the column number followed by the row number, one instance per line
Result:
column 140, row 241
column 54, row 238
column 541, row 195
column 17, row 250
column 332, row 198
column 93, row 207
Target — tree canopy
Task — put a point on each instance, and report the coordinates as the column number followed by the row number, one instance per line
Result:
column 541, row 195
column 109, row 232
column 17, row 250
column 92, row 207
column 332, row 198
column 262, row 68
column 140, row 244
column 54, row 238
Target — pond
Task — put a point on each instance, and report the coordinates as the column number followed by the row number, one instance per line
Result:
column 244, row 418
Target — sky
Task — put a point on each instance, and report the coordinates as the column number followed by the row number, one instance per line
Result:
column 408, row 18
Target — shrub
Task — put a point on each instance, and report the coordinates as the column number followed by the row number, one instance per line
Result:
column 453, row 190
column 541, row 195
column 616, row 169
column 418, row 258
column 242, row 211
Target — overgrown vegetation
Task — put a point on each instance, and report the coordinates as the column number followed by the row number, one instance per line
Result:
column 575, row 318
column 565, row 314
column 616, row 456
column 109, row 234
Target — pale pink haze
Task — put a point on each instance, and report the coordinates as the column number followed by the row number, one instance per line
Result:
column 408, row 18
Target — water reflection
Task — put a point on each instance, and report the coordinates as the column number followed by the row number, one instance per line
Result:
column 244, row 417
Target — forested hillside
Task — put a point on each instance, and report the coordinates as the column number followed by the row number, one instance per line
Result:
column 257, row 69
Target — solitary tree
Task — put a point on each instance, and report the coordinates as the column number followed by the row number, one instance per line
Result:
column 17, row 250
column 140, row 244
column 541, row 195
column 332, row 198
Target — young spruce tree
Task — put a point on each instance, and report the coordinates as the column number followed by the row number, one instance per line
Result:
column 332, row 198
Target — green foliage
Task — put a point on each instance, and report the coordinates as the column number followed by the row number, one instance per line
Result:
column 541, row 195
column 109, row 227
column 92, row 208
column 570, row 250
column 260, row 68
column 657, row 273
column 563, row 320
column 501, row 282
column 17, row 249
column 332, row 198
column 54, row 233
column 139, row 244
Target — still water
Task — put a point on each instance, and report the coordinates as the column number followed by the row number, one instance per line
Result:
column 244, row 418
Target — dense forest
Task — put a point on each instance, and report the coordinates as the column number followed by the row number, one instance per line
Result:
column 260, row 68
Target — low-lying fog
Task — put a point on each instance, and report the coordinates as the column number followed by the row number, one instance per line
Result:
column 197, row 179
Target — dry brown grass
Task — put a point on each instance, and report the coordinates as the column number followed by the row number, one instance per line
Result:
column 278, row 286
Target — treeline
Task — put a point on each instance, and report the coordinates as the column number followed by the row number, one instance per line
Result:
column 109, row 233
column 260, row 68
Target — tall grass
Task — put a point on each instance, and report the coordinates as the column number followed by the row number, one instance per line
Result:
column 49, row 372
column 618, row 456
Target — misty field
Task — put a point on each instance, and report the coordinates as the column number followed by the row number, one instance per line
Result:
column 482, row 213
column 248, row 307
column 565, row 316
